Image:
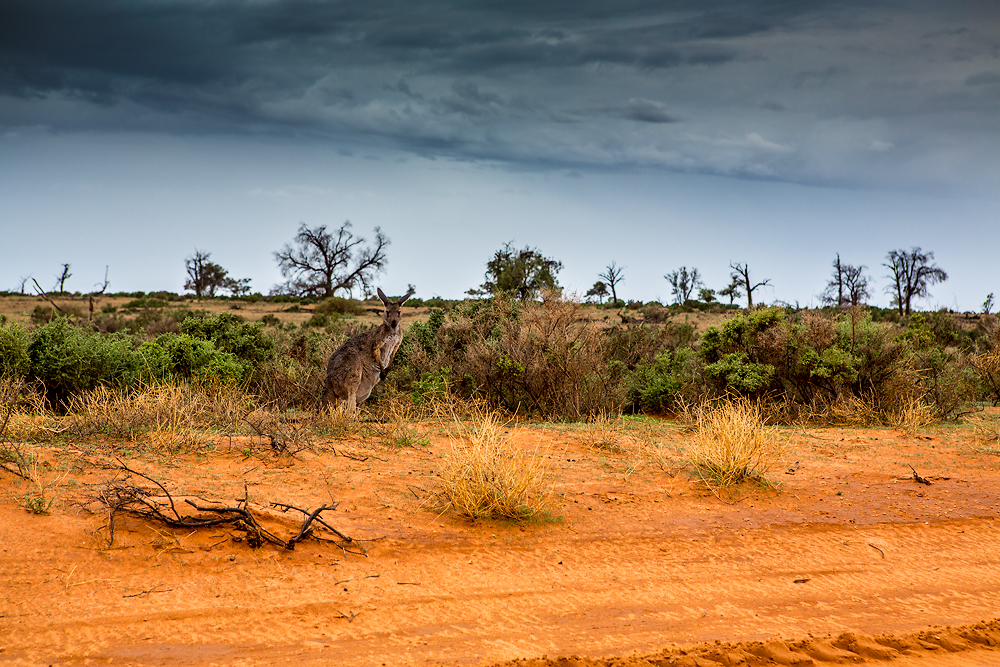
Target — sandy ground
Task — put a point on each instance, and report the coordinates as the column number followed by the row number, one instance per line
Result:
column 850, row 560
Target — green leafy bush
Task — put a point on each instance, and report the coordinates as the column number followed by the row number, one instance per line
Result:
column 655, row 385
column 67, row 359
column 233, row 334
column 336, row 305
column 14, row 341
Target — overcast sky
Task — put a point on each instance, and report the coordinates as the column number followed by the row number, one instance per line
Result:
column 655, row 134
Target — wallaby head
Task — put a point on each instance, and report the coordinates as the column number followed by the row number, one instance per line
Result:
column 392, row 317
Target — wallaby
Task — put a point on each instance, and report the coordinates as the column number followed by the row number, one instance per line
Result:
column 361, row 362
column 627, row 319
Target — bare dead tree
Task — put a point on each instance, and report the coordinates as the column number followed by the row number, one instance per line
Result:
column 24, row 281
column 848, row 285
column 683, row 283
column 62, row 278
column 742, row 275
column 90, row 297
column 612, row 276
column 912, row 275
column 318, row 264
column 42, row 293
column 857, row 285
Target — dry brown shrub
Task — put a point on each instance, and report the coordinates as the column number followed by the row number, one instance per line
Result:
column 561, row 354
column 486, row 477
column 732, row 444
column 821, row 330
column 908, row 412
column 987, row 366
column 546, row 357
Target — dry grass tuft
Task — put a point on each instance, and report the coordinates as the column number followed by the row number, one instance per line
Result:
column 337, row 420
column 132, row 413
column 44, row 489
column 732, row 444
column 858, row 411
column 911, row 414
column 395, row 422
column 908, row 412
column 486, row 477
column 987, row 432
column 605, row 433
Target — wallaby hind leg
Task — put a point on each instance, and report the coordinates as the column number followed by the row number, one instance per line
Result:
column 342, row 388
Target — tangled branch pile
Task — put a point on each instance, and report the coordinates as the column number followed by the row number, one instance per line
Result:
column 122, row 495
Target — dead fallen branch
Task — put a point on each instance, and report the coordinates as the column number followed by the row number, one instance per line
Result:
column 156, row 504
column 350, row 619
column 154, row 589
column 918, row 479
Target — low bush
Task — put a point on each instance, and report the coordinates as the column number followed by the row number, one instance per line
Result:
column 486, row 477
column 67, row 359
column 336, row 305
column 732, row 444
column 14, row 342
column 130, row 413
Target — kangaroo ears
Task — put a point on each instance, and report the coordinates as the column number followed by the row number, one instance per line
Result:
column 405, row 297
column 382, row 296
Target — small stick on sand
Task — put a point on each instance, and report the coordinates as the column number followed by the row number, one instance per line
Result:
column 918, row 479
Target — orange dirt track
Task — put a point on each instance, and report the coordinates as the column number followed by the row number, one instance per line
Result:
column 850, row 561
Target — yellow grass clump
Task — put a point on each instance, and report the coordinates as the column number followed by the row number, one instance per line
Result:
column 337, row 420
column 907, row 413
column 732, row 444
column 395, row 422
column 131, row 412
column 486, row 477
column 605, row 433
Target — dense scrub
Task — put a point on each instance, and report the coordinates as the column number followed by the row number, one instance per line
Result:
column 65, row 359
column 546, row 358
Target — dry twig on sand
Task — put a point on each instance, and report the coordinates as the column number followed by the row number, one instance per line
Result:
column 918, row 479
column 156, row 504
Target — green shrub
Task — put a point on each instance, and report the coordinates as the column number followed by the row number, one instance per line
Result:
column 656, row 384
column 192, row 358
column 233, row 334
column 741, row 375
column 14, row 341
column 317, row 321
column 67, row 359
column 336, row 305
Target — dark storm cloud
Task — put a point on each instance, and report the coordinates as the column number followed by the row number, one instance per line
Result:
column 694, row 82
column 647, row 111
column 983, row 79
column 57, row 45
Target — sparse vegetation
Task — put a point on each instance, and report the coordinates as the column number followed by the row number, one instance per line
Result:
column 732, row 444
column 485, row 477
